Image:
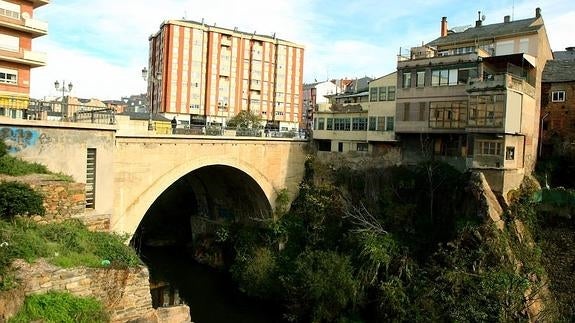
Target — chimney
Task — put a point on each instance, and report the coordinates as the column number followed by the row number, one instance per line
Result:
column 443, row 26
column 478, row 21
column 507, row 19
column 537, row 12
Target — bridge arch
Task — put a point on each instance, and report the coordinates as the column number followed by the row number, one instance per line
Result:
column 134, row 213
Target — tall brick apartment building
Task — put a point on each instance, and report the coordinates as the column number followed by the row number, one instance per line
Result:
column 206, row 74
column 17, row 30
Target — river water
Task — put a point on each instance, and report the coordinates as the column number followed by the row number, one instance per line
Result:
column 212, row 295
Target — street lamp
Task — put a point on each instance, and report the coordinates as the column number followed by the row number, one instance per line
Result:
column 64, row 90
column 154, row 78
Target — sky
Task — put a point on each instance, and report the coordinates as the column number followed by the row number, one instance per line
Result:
column 101, row 46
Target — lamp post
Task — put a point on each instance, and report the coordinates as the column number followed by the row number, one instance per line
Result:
column 223, row 110
column 65, row 89
column 153, row 78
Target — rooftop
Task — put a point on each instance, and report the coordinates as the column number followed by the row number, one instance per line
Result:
column 559, row 71
column 498, row 30
column 567, row 54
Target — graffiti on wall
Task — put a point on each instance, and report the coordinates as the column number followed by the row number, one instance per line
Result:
column 18, row 139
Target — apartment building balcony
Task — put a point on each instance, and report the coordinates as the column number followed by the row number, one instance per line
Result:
column 39, row 3
column 502, row 103
column 434, row 58
column 500, row 82
column 26, row 57
column 33, row 27
column 255, row 95
column 226, row 41
column 225, row 71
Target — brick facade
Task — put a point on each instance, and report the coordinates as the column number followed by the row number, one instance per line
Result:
column 559, row 124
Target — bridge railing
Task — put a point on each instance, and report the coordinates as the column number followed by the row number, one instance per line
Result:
column 57, row 110
column 76, row 110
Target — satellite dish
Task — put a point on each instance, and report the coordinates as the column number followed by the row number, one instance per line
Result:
column 483, row 18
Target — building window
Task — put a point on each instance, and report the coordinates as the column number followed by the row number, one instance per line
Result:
column 420, row 79
column 391, row 93
column 509, row 153
column 91, row 178
column 524, row 45
column 406, row 111
column 380, row 123
column 8, row 76
column 373, row 94
column 372, row 123
column 448, row 114
column 347, row 124
column 321, row 124
column 558, row 96
column 359, row 124
column 362, row 146
column 383, row 93
column 504, row 47
column 406, row 80
column 489, row 147
column 389, row 123
column 342, row 124
column 450, row 77
column 421, row 111
column 315, row 123
column 329, row 124
column 486, row 110
column 11, row 43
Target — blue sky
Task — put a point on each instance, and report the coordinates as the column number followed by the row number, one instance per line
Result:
column 102, row 45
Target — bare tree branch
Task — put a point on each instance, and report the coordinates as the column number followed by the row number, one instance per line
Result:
column 363, row 220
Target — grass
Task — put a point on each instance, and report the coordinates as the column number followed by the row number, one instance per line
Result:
column 13, row 166
column 67, row 244
column 60, row 307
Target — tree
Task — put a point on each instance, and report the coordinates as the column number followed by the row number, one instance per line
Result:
column 245, row 120
column 321, row 286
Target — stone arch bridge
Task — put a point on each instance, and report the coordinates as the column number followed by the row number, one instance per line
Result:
column 126, row 173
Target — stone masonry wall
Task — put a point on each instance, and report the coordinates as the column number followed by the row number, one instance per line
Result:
column 62, row 200
column 124, row 292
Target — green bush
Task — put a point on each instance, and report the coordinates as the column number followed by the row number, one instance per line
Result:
column 19, row 199
column 62, row 308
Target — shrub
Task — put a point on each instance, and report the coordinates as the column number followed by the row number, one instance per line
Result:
column 19, row 199
column 66, row 244
column 60, row 307
column 256, row 275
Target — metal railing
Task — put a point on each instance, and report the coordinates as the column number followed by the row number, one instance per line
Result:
column 51, row 110
column 57, row 110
